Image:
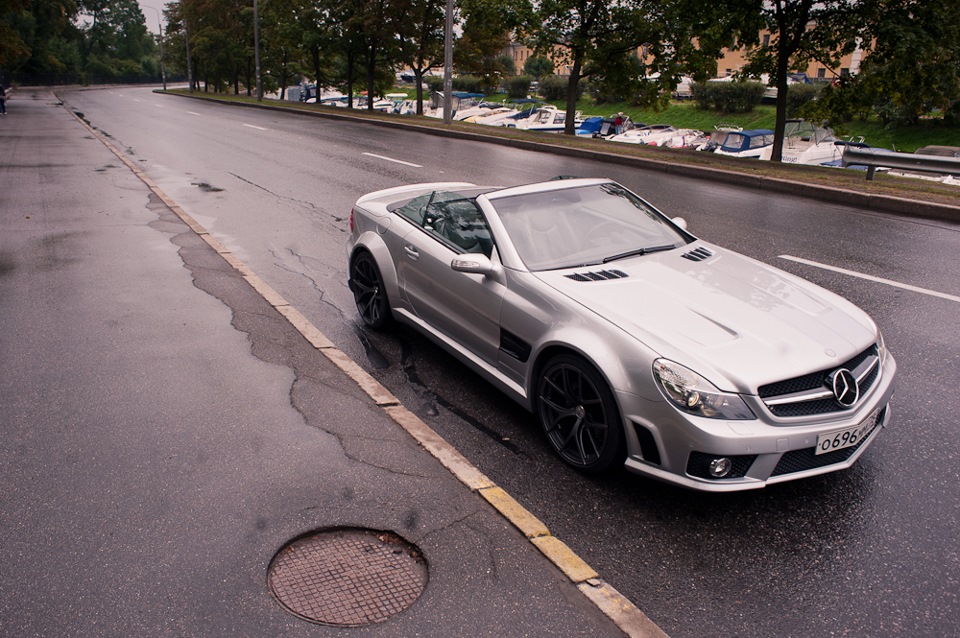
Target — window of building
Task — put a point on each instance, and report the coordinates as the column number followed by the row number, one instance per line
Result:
column 844, row 72
column 766, row 39
column 821, row 73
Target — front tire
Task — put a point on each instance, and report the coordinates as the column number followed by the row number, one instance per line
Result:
column 579, row 415
column 368, row 291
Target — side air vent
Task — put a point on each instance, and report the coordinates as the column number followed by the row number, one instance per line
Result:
column 600, row 275
column 698, row 255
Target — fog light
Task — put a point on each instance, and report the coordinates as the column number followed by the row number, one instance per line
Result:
column 720, row 467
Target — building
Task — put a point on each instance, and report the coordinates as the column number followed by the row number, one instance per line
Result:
column 729, row 63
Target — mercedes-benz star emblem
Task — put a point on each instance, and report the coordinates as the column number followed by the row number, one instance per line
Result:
column 845, row 388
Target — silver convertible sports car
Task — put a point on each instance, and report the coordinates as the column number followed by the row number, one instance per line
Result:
column 633, row 341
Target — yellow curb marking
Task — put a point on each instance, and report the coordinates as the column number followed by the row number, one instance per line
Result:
column 575, row 568
column 521, row 517
column 631, row 620
column 449, row 457
column 619, row 609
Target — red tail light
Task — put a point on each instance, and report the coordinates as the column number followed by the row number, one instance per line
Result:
column 351, row 221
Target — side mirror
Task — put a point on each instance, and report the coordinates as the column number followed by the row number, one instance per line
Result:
column 680, row 221
column 474, row 263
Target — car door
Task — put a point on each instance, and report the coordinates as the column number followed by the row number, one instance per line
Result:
column 462, row 306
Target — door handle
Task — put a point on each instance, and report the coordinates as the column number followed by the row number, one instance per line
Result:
column 412, row 252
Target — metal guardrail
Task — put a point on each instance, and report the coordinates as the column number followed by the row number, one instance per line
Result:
column 874, row 158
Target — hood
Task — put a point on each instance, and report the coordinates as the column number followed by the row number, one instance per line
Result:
column 738, row 322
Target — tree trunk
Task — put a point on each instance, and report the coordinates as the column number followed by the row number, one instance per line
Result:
column 349, row 79
column 418, row 78
column 783, row 65
column 569, row 125
column 371, row 75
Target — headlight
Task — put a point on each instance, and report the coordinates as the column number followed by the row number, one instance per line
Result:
column 881, row 348
column 693, row 394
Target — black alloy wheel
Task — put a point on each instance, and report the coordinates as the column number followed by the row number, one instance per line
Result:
column 579, row 415
column 368, row 292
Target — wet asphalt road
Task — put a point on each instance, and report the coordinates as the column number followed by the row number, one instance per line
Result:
column 872, row 551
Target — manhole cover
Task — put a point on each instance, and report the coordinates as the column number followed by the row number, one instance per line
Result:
column 348, row 577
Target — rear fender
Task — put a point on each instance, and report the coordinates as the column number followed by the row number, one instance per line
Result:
column 373, row 243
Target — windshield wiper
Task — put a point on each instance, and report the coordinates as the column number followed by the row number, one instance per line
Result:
column 638, row 252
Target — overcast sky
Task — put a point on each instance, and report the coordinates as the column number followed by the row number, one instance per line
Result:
column 150, row 15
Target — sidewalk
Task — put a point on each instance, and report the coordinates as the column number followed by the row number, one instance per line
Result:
column 169, row 424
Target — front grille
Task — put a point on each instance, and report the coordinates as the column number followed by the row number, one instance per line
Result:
column 699, row 465
column 806, row 459
column 818, row 383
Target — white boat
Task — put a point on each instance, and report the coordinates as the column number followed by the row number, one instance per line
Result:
column 492, row 117
column 806, row 143
column 645, row 134
column 545, row 118
column 750, row 144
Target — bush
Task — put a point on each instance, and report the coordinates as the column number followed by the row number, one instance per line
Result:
column 518, row 86
column 434, row 82
column 727, row 97
column 468, row 83
column 800, row 94
column 554, row 87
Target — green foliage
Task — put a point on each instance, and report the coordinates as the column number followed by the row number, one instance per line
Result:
column 914, row 68
column 470, row 84
column 434, row 82
column 619, row 80
column 486, row 27
column 538, row 66
column 798, row 95
column 518, row 86
column 554, row 88
column 727, row 97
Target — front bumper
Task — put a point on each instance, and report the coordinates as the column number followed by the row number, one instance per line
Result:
column 668, row 445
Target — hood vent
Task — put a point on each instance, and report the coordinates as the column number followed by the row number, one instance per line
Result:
column 698, row 255
column 600, row 275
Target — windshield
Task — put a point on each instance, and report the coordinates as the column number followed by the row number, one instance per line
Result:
column 586, row 225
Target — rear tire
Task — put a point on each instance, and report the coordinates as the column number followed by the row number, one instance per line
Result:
column 368, row 291
column 579, row 415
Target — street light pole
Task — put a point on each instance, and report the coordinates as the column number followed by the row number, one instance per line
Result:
column 448, row 65
column 256, row 48
column 186, row 38
column 163, row 68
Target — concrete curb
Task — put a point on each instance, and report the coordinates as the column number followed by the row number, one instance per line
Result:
column 884, row 203
column 620, row 610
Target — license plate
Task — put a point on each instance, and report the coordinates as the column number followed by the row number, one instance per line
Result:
column 833, row 441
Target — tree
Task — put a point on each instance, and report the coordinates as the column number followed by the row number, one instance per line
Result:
column 116, row 38
column 642, row 47
column 538, row 66
column 421, row 35
column 487, row 25
column 38, row 38
column 914, row 67
column 281, row 36
column 801, row 31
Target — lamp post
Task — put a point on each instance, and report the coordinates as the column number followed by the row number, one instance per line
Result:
column 256, row 48
column 163, row 68
column 448, row 65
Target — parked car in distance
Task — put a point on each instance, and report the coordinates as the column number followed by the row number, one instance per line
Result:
column 633, row 342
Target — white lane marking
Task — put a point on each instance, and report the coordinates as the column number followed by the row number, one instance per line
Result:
column 390, row 159
column 193, row 113
column 159, row 106
column 881, row 280
column 259, row 128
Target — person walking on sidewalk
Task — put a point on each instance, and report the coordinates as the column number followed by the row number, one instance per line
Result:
column 3, row 100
